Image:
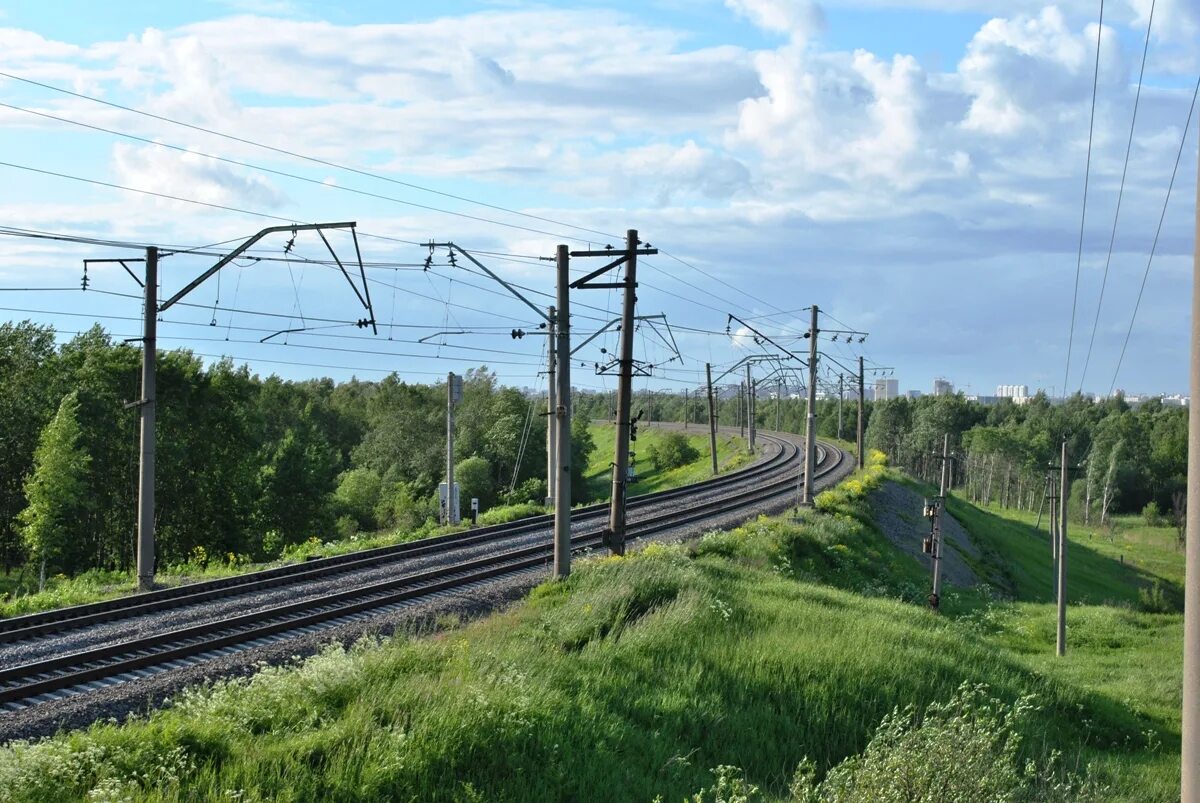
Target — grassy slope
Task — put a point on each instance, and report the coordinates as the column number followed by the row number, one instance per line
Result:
column 632, row 680
column 731, row 454
column 1128, row 657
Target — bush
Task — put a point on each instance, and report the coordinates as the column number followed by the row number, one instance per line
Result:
column 672, row 450
column 1152, row 515
column 402, row 507
column 531, row 491
column 357, row 496
column 474, row 478
column 347, row 527
column 908, row 759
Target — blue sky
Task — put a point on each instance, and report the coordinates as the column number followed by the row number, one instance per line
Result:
column 915, row 167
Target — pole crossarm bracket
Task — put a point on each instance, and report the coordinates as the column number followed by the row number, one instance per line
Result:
column 122, row 262
column 753, row 358
column 515, row 293
column 586, row 282
column 241, row 249
column 733, row 317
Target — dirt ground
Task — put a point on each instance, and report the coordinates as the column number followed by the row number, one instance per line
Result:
column 898, row 516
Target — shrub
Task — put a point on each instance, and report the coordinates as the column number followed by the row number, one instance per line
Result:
column 1152, row 515
column 347, row 527
column 672, row 450
column 907, row 759
column 357, row 495
column 474, row 478
column 403, row 507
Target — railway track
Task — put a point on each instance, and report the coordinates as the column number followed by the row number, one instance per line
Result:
column 87, row 647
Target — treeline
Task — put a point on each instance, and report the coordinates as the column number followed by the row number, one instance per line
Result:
column 245, row 465
column 775, row 408
column 1127, row 459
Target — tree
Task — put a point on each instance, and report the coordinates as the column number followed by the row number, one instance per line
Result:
column 357, row 495
column 26, row 406
column 582, row 446
column 672, row 450
column 56, row 492
column 474, row 478
column 295, row 486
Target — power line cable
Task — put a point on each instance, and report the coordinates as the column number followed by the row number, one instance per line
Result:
column 1120, row 194
column 1083, row 216
column 326, row 163
column 1154, row 246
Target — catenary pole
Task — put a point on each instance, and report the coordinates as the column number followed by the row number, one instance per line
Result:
column 686, row 408
column 935, row 600
column 1063, row 496
column 810, row 429
column 146, row 408
column 620, row 477
column 551, row 409
column 751, row 413
column 841, row 396
column 451, row 511
column 562, row 419
column 1190, row 754
column 712, row 419
column 862, row 455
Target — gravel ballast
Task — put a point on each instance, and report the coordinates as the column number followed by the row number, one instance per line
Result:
column 419, row 617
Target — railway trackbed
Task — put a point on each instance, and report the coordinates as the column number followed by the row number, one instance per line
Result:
column 53, row 655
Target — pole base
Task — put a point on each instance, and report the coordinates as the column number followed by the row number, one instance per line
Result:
column 613, row 542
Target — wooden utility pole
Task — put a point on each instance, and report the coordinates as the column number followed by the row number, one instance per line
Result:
column 551, row 408
column 810, row 429
column 562, row 418
column 1190, row 754
column 1063, row 497
column 712, row 419
column 146, row 410
column 862, row 455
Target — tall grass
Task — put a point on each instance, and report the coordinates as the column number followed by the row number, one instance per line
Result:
column 628, row 681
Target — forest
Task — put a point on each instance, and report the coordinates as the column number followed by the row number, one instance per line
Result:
column 1122, row 459
column 248, row 466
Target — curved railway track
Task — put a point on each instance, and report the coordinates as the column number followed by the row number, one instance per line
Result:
column 70, row 651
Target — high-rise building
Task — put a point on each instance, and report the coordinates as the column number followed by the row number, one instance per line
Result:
column 1014, row 392
column 887, row 389
column 942, row 387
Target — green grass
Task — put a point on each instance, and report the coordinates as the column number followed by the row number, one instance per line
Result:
column 731, row 455
column 1127, row 656
column 785, row 639
column 631, row 680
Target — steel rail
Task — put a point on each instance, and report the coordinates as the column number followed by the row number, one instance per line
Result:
column 19, row 628
column 87, row 667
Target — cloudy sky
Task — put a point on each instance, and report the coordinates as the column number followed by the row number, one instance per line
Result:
column 914, row 167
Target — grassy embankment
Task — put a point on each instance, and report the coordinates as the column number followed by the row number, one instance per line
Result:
column 94, row 586
column 756, row 648
column 731, row 455
column 1124, row 623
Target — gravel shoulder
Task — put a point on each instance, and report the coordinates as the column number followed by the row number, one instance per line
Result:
column 897, row 512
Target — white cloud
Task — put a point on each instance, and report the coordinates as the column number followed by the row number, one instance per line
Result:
column 190, row 176
column 799, row 19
